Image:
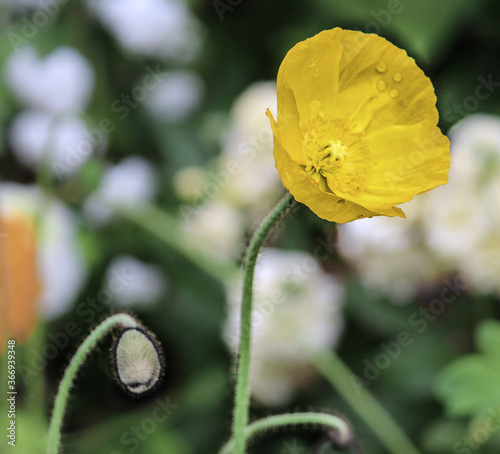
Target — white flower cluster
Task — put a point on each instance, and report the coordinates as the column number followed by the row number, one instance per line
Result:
column 145, row 283
column 462, row 219
column 153, row 28
column 55, row 90
column 126, row 185
column 296, row 309
column 176, row 97
column 230, row 197
column 250, row 144
column 389, row 253
column 453, row 228
column 61, row 264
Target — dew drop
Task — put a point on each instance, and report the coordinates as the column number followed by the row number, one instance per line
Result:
column 394, row 93
column 381, row 85
column 381, row 67
column 315, row 105
column 340, row 201
column 313, row 61
column 397, row 77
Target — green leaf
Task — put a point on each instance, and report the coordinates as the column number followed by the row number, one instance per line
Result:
column 470, row 385
column 488, row 338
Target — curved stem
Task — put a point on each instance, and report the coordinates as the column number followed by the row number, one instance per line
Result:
column 291, row 419
column 54, row 434
column 363, row 403
column 242, row 397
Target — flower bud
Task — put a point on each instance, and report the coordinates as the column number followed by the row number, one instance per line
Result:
column 137, row 360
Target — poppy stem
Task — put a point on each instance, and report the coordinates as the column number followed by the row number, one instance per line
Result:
column 242, row 396
column 362, row 402
column 61, row 402
column 324, row 421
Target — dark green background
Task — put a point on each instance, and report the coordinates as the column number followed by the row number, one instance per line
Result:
column 454, row 41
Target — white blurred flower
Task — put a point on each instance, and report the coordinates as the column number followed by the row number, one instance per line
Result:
column 297, row 307
column 389, row 253
column 249, row 110
column 249, row 149
column 463, row 218
column 453, row 228
column 55, row 89
column 240, row 184
column 155, row 28
column 61, row 82
column 176, row 97
column 66, row 141
column 189, row 183
column 133, row 281
column 215, row 229
column 61, row 264
column 128, row 184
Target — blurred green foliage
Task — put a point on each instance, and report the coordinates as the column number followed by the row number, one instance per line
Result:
column 469, row 386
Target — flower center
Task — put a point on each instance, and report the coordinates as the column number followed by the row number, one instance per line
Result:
column 326, row 159
column 335, row 157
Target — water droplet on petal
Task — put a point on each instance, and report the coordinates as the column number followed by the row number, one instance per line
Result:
column 381, row 67
column 316, row 72
column 313, row 61
column 394, row 93
column 340, row 201
column 315, row 105
column 397, row 77
column 381, row 85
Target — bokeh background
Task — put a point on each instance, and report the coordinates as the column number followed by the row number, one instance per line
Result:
column 135, row 158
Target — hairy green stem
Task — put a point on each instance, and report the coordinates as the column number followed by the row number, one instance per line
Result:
column 54, row 434
column 363, row 402
column 324, row 420
column 242, row 396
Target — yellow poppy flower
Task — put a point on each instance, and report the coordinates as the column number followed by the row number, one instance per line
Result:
column 356, row 132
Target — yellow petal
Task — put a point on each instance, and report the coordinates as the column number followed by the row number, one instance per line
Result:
column 288, row 127
column 404, row 161
column 325, row 205
column 381, row 85
column 311, row 71
column 357, row 75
